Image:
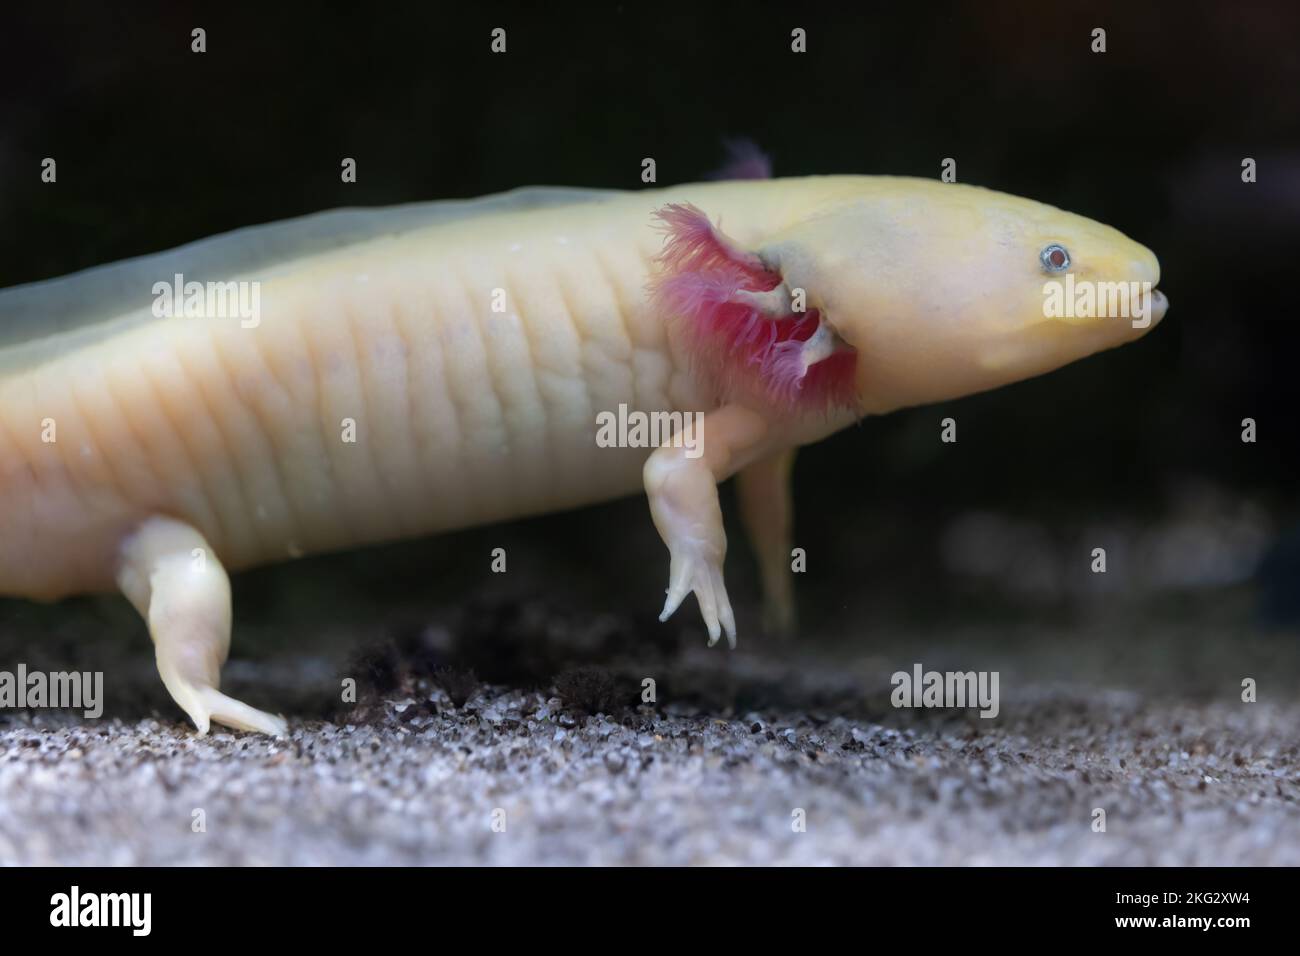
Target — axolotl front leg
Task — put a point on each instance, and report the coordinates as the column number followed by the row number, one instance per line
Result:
column 767, row 514
column 783, row 370
column 683, row 494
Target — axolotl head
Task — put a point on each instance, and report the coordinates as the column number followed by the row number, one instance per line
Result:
column 898, row 292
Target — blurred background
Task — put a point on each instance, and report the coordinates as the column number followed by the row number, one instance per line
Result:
column 909, row 540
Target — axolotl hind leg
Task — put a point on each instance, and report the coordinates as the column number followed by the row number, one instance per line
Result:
column 170, row 573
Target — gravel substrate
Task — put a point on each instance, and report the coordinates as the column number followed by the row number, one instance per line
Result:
column 1184, row 775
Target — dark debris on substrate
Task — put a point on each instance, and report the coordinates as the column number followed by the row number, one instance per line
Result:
column 589, row 664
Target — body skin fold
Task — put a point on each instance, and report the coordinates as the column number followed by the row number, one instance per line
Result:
column 472, row 355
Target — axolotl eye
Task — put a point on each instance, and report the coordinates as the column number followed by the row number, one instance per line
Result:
column 1055, row 258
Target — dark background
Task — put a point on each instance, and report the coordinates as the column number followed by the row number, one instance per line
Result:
column 1136, row 450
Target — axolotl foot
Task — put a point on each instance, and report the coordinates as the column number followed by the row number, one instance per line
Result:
column 696, row 566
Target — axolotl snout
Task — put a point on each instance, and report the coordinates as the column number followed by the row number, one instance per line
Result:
column 417, row 369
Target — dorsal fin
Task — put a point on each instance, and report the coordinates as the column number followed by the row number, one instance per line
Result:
column 121, row 292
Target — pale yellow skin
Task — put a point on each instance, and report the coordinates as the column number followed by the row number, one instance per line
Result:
column 189, row 445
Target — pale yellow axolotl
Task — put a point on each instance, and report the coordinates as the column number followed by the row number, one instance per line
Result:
column 378, row 374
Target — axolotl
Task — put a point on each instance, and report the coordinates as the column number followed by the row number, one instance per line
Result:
column 428, row 367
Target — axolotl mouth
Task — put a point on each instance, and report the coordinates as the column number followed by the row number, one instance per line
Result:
column 1159, row 305
column 1139, row 304
column 1146, row 309
column 1058, row 339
